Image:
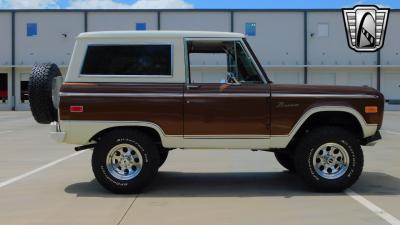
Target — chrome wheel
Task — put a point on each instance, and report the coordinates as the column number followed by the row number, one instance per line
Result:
column 331, row 160
column 124, row 161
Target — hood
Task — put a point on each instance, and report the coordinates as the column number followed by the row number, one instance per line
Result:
column 323, row 89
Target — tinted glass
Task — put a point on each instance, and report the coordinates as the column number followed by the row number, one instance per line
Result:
column 247, row 71
column 127, row 60
column 233, row 63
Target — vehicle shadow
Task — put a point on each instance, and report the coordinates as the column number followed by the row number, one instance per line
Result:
column 242, row 184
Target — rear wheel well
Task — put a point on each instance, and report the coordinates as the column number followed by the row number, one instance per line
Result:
column 330, row 118
column 152, row 133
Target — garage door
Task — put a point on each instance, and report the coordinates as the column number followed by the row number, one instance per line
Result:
column 4, row 92
column 357, row 79
column 390, row 87
column 286, row 78
column 360, row 79
column 22, row 98
column 322, row 78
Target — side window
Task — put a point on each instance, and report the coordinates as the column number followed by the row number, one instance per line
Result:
column 128, row 60
column 208, row 67
column 247, row 71
column 220, row 62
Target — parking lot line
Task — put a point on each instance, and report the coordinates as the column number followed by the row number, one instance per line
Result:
column 374, row 208
column 5, row 131
column 22, row 176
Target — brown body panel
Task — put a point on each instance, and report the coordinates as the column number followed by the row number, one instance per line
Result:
column 165, row 111
column 213, row 109
column 223, row 109
column 284, row 118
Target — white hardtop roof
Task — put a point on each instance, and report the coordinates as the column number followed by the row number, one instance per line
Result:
column 159, row 34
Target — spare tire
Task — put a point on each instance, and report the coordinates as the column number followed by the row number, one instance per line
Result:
column 42, row 83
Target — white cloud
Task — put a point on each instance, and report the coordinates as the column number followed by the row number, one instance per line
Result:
column 28, row 4
column 383, row 6
column 95, row 4
column 139, row 4
column 161, row 4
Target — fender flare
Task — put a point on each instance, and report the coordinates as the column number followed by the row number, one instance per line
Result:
column 281, row 141
column 88, row 132
column 368, row 129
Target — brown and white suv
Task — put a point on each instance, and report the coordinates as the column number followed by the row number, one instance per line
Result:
column 133, row 96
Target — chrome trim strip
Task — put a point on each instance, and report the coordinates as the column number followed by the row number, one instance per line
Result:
column 157, row 95
column 147, row 95
column 194, row 95
column 324, row 95
column 226, row 95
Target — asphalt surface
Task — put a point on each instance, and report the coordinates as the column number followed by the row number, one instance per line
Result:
column 41, row 182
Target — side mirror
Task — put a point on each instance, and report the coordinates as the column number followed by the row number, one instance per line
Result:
column 231, row 79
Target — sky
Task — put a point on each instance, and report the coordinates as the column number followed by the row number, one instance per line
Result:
column 187, row 4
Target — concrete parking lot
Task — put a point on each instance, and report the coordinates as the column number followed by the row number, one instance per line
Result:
column 42, row 182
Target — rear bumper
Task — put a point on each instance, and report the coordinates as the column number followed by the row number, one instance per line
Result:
column 55, row 132
column 371, row 140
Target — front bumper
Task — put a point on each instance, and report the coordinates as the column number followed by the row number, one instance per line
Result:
column 371, row 140
column 55, row 132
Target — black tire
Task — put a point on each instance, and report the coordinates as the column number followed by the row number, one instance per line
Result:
column 163, row 155
column 40, row 92
column 149, row 153
column 308, row 146
column 286, row 160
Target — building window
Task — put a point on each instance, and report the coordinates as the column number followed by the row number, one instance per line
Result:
column 250, row 29
column 31, row 29
column 323, row 30
column 140, row 26
column 128, row 60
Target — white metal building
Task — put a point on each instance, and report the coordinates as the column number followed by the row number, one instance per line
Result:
column 294, row 46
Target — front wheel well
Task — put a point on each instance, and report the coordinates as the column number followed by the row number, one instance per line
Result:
column 330, row 118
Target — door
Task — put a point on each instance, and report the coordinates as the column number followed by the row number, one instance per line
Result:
column 391, row 89
column 224, row 101
column 3, row 88
column 22, row 98
column 5, row 83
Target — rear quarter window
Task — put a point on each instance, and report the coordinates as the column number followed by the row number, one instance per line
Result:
column 132, row 60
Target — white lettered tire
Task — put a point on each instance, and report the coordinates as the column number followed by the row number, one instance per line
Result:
column 125, row 161
column 329, row 159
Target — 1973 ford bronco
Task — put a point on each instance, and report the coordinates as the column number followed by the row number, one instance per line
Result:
column 133, row 96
